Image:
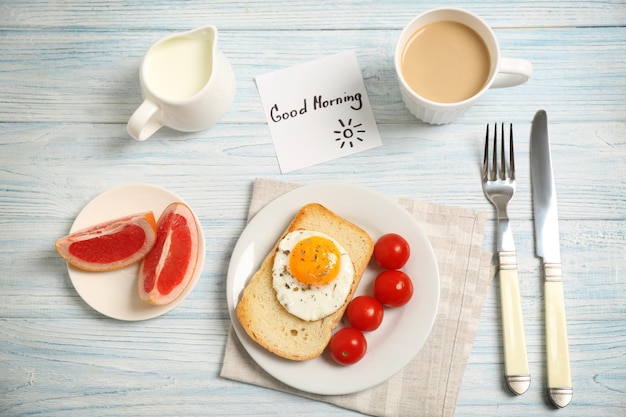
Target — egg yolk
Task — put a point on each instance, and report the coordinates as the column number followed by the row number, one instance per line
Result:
column 314, row 261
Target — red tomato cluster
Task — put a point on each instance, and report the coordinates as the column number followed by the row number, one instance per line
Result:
column 392, row 288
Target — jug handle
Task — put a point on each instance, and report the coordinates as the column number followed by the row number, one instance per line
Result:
column 145, row 121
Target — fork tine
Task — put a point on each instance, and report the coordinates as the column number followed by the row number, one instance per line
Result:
column 502, row 154
column 494, row 167
column 486, row 156
column 512, row 157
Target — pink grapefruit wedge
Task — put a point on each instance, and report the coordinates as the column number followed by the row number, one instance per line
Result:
column 110, row 245
column 168, row 268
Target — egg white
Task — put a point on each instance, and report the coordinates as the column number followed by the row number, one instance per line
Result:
column 310, row 302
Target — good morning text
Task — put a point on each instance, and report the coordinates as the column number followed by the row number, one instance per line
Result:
column 319, row 102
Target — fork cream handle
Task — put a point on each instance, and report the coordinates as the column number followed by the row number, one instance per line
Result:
column 560, row 388
column 516, row 371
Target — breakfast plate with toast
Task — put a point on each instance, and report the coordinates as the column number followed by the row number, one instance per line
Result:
column 401, row 335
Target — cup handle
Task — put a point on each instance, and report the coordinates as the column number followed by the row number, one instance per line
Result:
column 145, row 121
column 512, row 72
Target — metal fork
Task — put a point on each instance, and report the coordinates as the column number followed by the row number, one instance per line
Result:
column 499, row 186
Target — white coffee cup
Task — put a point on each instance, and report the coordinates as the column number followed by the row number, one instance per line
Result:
column 501, row 72
column 187, row 84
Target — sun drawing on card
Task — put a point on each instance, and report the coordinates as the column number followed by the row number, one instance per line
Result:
column 348, row 134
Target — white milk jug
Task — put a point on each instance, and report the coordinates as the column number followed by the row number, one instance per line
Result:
column 187, row 84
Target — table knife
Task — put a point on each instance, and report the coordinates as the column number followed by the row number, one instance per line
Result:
column 560, row 390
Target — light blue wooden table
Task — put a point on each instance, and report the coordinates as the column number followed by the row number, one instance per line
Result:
column 69, row 82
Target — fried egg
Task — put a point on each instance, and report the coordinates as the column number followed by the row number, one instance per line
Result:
column 312, row 274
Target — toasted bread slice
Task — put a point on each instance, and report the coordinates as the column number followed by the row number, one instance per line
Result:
column 265, row 319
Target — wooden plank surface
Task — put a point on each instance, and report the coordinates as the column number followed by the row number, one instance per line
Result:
column 299, row 14
column 69, row 82
column 38, row 83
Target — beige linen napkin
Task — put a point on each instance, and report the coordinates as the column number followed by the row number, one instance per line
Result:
column 430, row 383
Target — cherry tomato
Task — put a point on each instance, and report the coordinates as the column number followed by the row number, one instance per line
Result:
column 347, row 346
column 391, row 251
column 393, row 288
column 365, row 313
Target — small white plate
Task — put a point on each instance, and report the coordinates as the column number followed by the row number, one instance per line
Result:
column 404, row 329
column 115, row 293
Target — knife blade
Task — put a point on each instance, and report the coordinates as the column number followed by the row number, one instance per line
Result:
column 560, row 390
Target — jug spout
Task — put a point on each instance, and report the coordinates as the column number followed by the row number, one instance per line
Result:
column 208, row 32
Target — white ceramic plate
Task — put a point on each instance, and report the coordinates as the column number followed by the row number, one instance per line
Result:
column 403, row 331
column 114, row 293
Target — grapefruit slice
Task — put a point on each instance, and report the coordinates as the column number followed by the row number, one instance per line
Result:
column 110, row 245
column 168, row 268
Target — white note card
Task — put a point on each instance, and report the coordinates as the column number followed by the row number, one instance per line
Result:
column 318, row 111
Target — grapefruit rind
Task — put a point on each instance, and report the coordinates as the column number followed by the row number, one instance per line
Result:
column 163, row 262
column 104, row 240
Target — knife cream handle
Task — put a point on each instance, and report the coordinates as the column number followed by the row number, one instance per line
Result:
column 516, row 370
column 560, row 388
